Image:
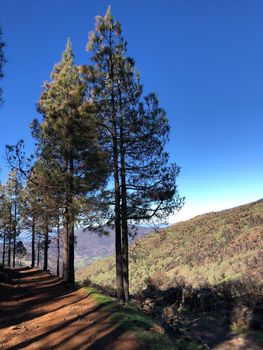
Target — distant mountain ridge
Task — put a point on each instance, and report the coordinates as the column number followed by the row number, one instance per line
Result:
column 90, row 246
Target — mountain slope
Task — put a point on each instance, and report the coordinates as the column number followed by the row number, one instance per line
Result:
column 212, row 247
column 90, row 246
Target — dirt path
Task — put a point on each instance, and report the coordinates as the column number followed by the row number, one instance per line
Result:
column 39, row 311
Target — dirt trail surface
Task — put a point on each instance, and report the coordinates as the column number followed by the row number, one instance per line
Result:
column 39, row 311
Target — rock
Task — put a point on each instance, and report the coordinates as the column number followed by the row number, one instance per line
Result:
column 15, row 328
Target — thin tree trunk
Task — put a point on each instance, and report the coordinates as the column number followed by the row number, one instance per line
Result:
column 14, row 239
column 4, row 247
column 58, row 249
column 65, row 227
column 14, row 250
column 71, row 270
column 118, row 242
column 65, row 246
column 45, row 265
column 38, row 252
column 124, row 223
column 33, row 244
column 9, row 238
column 9, row 250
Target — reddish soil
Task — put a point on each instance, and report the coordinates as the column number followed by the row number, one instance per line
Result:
column 39, row 311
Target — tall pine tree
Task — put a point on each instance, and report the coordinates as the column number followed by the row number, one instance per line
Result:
column 135, row 131
column 67, row 142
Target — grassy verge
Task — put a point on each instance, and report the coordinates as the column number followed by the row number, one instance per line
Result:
column 146, row 331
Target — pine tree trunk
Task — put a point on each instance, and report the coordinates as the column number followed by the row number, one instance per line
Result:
column 9, row 238
column 124, row 223
column 33, row 243
column 9, row 250
column 14, row 250
column 45, row 264
column 58, row 250
column 65, row 227
column 71, row 270
column 125, row 247
column 118, row 241
column 38, row 253
column 14, row 239
column 65, row 246
column 4, row 247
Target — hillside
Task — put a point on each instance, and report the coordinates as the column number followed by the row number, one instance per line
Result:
column 212, row 248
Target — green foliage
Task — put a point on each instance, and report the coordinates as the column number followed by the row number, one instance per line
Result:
column 70, row 159
column 187, row 251
column 137, row 123
column 68, row 132
column 10, row 219
column 135, row 131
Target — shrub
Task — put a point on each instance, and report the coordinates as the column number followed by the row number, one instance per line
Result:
column 158, row 280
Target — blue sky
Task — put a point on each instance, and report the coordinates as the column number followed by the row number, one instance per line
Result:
column 204, row 58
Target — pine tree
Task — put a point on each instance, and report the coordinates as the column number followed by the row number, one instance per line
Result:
column 5, row 221
column 41, row 197
column 10, row 220
column 13, row 193
column 135, row 130
column 104, row 44
column 67, row 142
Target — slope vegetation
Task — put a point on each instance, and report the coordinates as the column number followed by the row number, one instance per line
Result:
column 213, row 248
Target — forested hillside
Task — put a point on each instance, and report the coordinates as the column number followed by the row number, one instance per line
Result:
column 214, row 247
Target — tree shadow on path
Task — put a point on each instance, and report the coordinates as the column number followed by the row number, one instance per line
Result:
column 39, row 311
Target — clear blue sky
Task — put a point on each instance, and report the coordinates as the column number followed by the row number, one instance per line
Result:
column 204, row 58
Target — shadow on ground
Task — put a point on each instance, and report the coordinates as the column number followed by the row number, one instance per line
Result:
column 39, row 311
